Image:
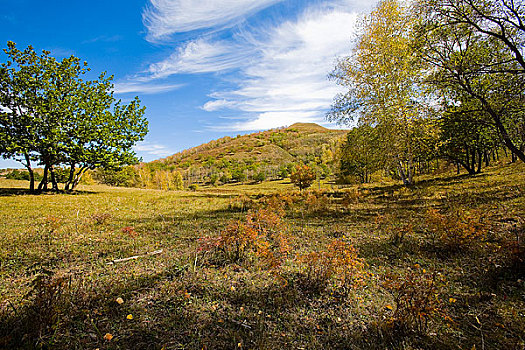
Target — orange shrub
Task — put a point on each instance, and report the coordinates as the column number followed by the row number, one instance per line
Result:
column 458, row 229
column 339, row 262
column 317, row 202
column 241, row 203
column 417, row 297
column 351, row 197
column 260, row 234
column 303, row 176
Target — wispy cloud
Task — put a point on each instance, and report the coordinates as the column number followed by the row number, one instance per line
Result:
column 287, row 81
column 269, row 120
column 202, row 56
column 282, row 69
column 144, row 88
column 165, row 17
column 153, row 150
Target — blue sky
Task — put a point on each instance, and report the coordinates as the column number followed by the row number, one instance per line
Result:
column 203, row 68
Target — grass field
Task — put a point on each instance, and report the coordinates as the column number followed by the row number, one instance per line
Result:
column 436, row 266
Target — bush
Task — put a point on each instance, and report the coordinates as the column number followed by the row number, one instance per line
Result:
column 260, row 235
column 339, row 262
column 22, row 175
column 317, row 202
column 241, row 203
column 417, row 297
column 458, row 229
column 260, row 176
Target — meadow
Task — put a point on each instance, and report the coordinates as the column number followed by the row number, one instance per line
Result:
column 438, row 265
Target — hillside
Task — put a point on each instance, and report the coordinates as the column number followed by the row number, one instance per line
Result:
column 268, row 152
column 376, row 266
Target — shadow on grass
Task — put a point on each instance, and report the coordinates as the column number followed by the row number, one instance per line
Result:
column 8, row 192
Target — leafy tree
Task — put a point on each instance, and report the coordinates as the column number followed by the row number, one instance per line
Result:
column 475, row 48
column 465, row 138
column 303, row 176
column 125, row 176
column 260, row 176
column 177, row 182
column 383, row 78
column 214, row 178
column 52, row 116
column 360, row 155
column 239, row 174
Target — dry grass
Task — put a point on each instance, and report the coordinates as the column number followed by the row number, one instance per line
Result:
column 58, row 291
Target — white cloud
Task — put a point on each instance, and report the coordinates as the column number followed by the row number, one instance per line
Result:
column 201, row 56
column 269, row 120
column 128, row 87
column 165, row 17
column 216, row 105
column 155, row 150
column 287, row 82
column 282, row 69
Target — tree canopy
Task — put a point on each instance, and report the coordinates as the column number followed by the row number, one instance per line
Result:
column 53, row 117
column 436, row 78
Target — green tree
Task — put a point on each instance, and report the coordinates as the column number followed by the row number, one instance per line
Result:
column 475, row 48
column 383, row 79
column 260, row 176
column 360, row 154
column 52, row 116
column 465, row 138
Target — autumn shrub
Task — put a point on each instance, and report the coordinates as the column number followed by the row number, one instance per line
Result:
column 417, row 299
column 39, row 315
column 351, row 197
column 302, row 176
column 511, row 252
column 457, row 229
column 279, row 201
column 241, row 203
column 338, row 263
column 260, row 235
column 316, row 202
column 130, row 231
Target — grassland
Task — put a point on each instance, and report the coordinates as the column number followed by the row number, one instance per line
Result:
column 413, row 284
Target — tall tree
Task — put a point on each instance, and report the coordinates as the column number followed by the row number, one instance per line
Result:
column 360, row 153
column 55, row 117
column 382, row 78
column 476, row 50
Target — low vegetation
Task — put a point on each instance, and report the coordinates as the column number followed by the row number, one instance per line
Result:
column 438, row 265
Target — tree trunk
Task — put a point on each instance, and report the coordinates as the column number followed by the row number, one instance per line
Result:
column 70, row 178
column 501, row 128
column 53, row 179
column 31, row 174
column 480, row 160
column 401, row 170
column 43, row 184
column 78, row 177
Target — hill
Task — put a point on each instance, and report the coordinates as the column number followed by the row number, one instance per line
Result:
column 270, row 153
